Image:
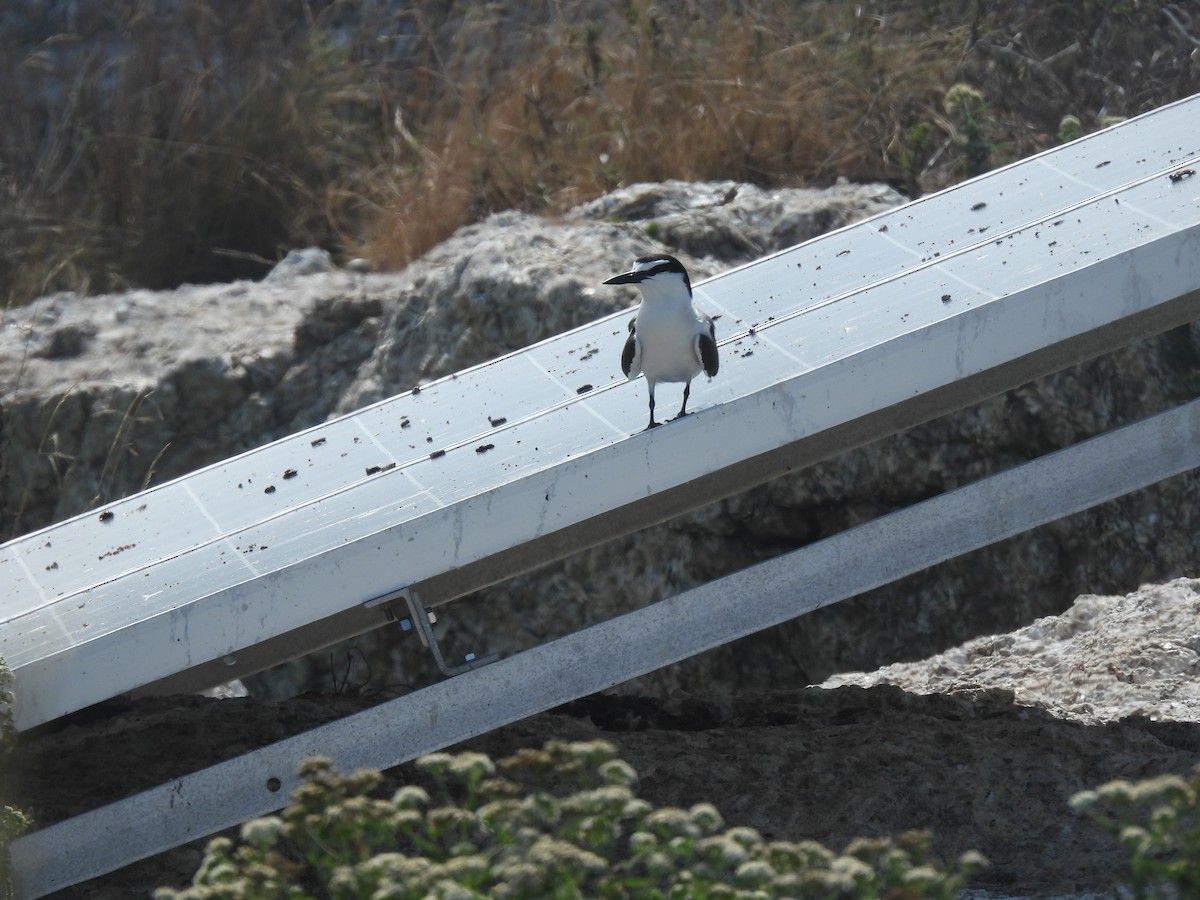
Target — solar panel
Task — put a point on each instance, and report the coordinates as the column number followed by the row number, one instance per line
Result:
column 1076, row 248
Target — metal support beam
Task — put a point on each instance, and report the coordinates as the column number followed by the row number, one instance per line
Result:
column 601, row 656
column 709, row 488
column 421, row 616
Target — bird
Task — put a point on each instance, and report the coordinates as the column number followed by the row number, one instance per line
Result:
column 669, row 339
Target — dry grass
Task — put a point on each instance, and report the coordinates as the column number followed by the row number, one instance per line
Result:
column 202, row 142
column 157, row 149
column 768, row 96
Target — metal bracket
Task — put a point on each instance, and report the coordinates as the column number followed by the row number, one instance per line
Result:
column 424, row 620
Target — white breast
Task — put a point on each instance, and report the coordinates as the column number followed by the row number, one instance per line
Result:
column 666, row 331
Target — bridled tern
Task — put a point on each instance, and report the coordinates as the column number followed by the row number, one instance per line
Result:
column 669, row 339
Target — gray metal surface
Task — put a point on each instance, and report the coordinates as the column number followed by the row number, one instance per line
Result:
column 607, row 654
column 845, row 338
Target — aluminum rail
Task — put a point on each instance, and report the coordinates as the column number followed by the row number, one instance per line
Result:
column 844, row 339
column 601, row 656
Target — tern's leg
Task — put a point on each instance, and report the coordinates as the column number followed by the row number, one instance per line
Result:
column 687, row 390
column 652, row 424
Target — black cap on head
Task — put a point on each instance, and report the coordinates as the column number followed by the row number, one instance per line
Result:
column 648, row 266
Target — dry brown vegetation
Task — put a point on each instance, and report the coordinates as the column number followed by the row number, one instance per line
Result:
column 150, row 144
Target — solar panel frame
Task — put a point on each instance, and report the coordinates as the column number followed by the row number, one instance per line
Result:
column 430, row 484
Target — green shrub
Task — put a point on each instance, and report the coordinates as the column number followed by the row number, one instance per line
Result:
column 13, row 822
column 1069, row 129
column 561, row 822
column 966, row 107
column 1157, row 822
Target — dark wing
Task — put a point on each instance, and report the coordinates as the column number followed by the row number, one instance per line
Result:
column 630, row 361
column 706, row 348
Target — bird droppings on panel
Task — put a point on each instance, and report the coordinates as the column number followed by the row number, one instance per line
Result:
column 583, row 389
column 116, row 550
column 375, row 470
column 497, row 421
column 269, row 489
column 290, row 473
column 404, row 423
column 1101, row 165
column 484, row 448
column 437, row 454
column 978, row 206
column 317, row 443
column 106, row 516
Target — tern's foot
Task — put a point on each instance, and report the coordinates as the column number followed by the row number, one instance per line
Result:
column 652, row 424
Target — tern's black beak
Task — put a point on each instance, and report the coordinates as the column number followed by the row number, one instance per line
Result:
column 627, row 278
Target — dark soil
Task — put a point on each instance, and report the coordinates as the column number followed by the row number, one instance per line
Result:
column 976, row 769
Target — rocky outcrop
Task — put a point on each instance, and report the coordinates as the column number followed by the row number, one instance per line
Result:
column 1102, row 660
column 104, row 395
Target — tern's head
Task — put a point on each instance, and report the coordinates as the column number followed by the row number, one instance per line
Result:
column 657, row 273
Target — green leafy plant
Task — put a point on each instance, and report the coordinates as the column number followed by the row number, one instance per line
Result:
column 13, row 822
column 1157, row 822
column 915, row 154
column 559, row 822
column 966, row 106
column 1069, row 129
